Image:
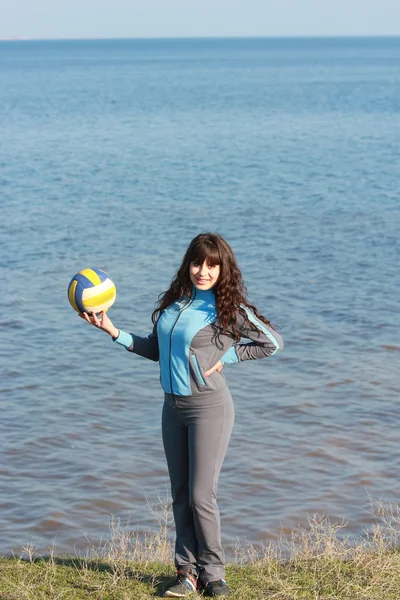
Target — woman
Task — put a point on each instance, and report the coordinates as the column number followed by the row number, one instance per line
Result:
column 198, row 324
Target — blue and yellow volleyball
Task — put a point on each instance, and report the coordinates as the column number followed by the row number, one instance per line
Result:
column 91, row 290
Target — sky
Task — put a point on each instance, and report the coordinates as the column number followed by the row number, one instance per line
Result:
column 50, row 19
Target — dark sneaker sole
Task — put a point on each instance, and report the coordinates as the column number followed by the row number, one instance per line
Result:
column 169, row 594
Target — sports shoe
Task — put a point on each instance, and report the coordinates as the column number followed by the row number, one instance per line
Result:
column 217, row 588
column 185, row 584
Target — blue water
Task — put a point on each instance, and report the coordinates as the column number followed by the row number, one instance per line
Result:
column 114, row 154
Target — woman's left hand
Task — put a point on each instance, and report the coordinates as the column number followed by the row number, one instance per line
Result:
column 216, row 367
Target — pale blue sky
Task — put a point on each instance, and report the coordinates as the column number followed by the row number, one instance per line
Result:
column 187, row 18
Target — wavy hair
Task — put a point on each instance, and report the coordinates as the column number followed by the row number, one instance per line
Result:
column 230, row 291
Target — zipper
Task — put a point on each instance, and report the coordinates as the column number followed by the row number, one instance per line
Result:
column 170, row 345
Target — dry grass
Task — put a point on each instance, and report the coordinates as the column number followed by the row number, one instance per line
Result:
column 318, row 562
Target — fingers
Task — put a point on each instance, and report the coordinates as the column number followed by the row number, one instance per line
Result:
column 92, row 318
column 96, row 320
column 103, row 317
column 217, row 367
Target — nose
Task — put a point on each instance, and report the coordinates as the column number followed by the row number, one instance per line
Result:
column 203, row 269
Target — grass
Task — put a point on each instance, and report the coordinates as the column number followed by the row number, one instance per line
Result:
column 318, row 562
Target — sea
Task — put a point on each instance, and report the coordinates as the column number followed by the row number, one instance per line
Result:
column 114, row 154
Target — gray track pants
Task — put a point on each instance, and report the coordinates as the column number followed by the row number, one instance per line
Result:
column 196, row 436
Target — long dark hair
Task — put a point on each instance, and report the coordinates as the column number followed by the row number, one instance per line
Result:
column 230, row 291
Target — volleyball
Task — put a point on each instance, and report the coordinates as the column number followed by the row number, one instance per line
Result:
column 91, row 290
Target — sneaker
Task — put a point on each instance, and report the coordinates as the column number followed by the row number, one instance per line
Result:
column 217, row 588
column 185, row 584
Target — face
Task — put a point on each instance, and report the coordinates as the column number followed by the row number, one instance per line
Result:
column 203, row 276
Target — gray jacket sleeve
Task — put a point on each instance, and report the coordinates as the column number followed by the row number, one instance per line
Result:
column 265, row 341
column 143, row 346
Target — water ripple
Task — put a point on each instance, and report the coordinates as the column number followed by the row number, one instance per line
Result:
column 121, row 174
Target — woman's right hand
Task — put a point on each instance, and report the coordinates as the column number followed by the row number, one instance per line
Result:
column 101, row 322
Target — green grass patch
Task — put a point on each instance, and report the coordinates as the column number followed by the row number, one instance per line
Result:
column 51, row 578
column 315, row 563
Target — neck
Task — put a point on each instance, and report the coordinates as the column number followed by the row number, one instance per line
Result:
column 202, row 293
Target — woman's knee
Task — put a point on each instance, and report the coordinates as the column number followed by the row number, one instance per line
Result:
column 201, row 498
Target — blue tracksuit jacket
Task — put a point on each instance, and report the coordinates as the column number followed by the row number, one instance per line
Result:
column 188, row 340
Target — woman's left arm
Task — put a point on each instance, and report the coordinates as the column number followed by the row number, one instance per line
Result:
column 265, row 341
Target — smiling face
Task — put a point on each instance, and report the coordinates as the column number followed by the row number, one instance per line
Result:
column 203, row 276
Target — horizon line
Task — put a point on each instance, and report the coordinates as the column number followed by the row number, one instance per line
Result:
column 200, row 37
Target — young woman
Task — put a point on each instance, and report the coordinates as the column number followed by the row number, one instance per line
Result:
column 198, row 325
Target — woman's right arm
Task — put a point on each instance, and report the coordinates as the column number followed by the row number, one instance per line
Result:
column 143, row 346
